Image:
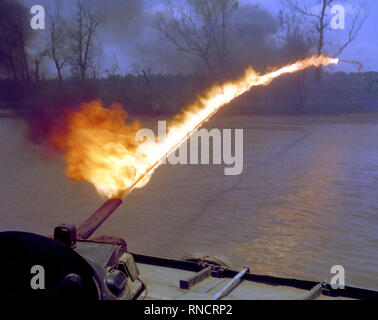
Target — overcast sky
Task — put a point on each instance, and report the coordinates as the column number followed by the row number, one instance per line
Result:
column 124, row 37
column 364, row 49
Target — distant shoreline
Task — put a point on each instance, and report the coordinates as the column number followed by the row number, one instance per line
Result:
column 365, row 117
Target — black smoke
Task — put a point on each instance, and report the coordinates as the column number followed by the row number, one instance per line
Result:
column 130, row 34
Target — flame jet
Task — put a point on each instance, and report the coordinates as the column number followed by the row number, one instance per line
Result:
column 100, row 148
column 121, row 171
column 195, row 116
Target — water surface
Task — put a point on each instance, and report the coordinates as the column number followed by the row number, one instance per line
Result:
column 306, row 200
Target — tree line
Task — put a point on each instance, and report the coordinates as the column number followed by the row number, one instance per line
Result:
column 218, row 34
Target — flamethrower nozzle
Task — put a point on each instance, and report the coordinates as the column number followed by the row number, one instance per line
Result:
column 86, row 229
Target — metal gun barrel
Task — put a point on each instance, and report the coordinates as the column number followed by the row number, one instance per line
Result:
column 86, row 229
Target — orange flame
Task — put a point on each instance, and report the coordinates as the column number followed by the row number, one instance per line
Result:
column 101, row 149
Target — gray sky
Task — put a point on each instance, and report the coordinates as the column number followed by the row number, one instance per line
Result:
column 128, row 29
column 364, row 49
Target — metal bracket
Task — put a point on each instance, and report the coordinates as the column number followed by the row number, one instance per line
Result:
column 315, row 291
column 197, row 278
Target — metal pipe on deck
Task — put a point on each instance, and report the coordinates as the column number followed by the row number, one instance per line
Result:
column 229, row 285
column 97, row 219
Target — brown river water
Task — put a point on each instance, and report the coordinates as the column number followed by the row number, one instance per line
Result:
column 306, row 200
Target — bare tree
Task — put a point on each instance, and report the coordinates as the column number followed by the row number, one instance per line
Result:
column 297, row 41
column 359, row 19
column 58, row 50
column 218, row 13
column 199, row 27
column 88, row 16
column 97, row 62
column 318, row 14
column 7, row 40
column 14, row 35
column 37, row 61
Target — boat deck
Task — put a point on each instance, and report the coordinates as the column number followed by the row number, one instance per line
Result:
column 163, row 283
